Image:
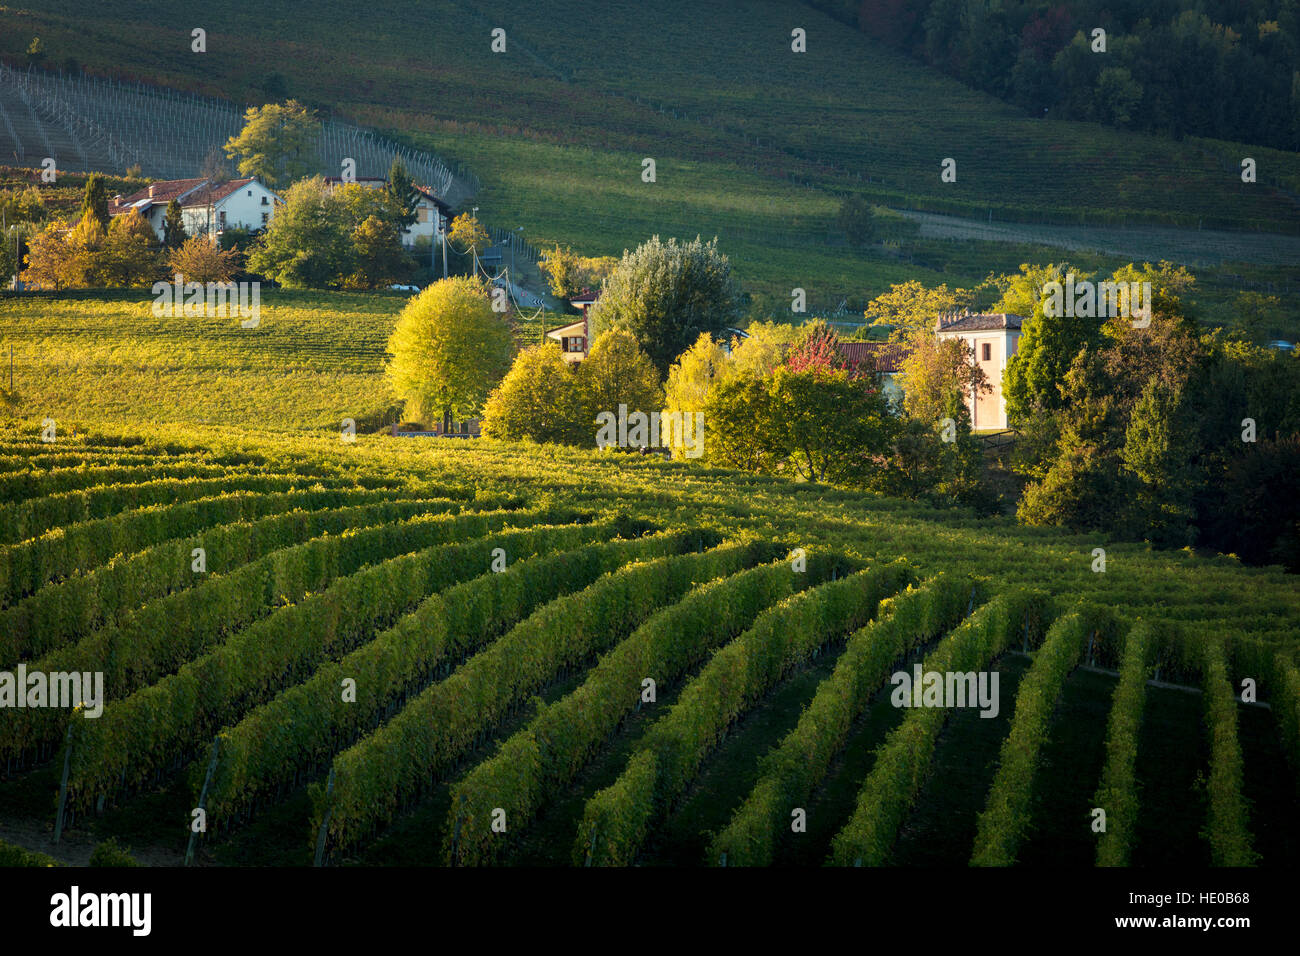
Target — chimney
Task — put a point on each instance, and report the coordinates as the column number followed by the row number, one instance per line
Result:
column 151, row 187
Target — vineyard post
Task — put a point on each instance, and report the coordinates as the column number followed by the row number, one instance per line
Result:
column 63, row 785
column 203, row 798
column 325, row 821
column 591, row 847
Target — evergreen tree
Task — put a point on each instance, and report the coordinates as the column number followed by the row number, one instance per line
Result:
column 94, row 202
column 402, row 195
column 174, row 227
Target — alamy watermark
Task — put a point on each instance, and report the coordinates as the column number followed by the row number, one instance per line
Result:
column 212, row 300
column 1108, row 300
column 651, row 430
column 56, row 689
column 949, row 689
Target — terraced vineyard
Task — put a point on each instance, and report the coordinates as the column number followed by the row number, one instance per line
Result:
column 474, row 654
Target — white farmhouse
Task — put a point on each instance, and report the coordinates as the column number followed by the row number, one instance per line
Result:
column 207, row 207
column 432, row 215
column 993, row 338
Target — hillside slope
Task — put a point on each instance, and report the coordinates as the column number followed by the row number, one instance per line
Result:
column 711, row 81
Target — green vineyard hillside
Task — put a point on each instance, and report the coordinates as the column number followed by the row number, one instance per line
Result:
column 481, row 653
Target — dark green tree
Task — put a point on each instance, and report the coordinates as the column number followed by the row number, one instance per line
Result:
column 94, row 202
column 402, row 195
column 666, row 294
column 174, row 235
column 857, row 221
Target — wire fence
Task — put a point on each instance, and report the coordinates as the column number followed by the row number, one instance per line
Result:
column 90, row 124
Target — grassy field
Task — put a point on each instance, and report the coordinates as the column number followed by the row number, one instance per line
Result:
column 313, row 360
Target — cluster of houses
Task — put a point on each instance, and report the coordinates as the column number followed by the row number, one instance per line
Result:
column 210, row 208
column 991, row 337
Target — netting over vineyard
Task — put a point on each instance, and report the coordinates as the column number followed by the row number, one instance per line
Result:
column 88, row 124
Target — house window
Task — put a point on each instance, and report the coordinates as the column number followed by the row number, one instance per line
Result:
column 265, row 202
column 575, row 343
column 986, row 351
column 250, row 192
column 265, row 218
column 221, row 219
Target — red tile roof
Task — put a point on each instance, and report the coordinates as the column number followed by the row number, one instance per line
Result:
column 875, row 356
column 214, row 194
column 162, row 192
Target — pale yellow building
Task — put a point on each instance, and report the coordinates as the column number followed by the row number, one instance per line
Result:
column 993, row 338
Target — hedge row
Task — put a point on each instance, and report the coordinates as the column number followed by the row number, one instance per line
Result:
column 1006, row 817
column 1285, row 699
column 902, row 762
column 1227, row 827
column 399, row 761
column 47, row 475
column 565, row 735
column 42, row 483
column 789, row 775
column 87, row 545
column 1118, row 793
column 310, row 722
column 11, row 855
column 75, row 606
column 157, row 638
column 136, row 737
column 616, row 822
column 35, row 516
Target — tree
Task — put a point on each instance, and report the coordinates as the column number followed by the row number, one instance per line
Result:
column 380, row 259
column 934, row 372
column 562, row 272
column 857, row 221
column 1252, row 314
column 743, row 428
column 540, row 399
column 129, row 256
column 309, row 241
column 173, row 226
column 568, row 274
column 909, row 307
column 35, row 51
column 468, row 232
column 403, row 198
column 1048, row 345
column 27, row 205
column 763, row 348
column 836, row 428
column 94, row 202
column 817, row 351
column 1159, row 451
column 616, row 372
column 690, row 381
column 201, row 260
column 449, row 350
column 666, row 294
column 277, row 144
column 50, row 259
